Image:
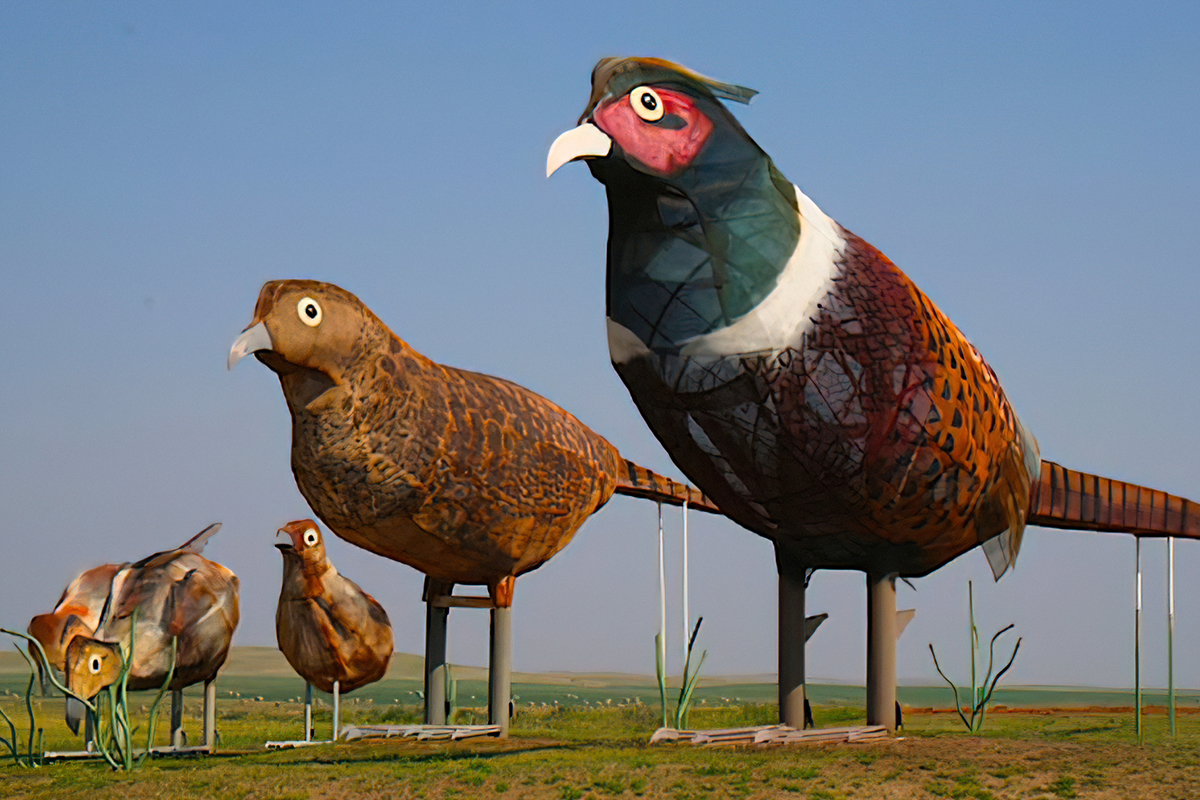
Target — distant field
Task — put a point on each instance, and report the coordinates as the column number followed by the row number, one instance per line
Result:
column 253, row 672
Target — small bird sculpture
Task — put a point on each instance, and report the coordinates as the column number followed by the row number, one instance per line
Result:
column 176, row 595
column 468, row 478
column 792, row 371
column 335, row 635
column 78, row 609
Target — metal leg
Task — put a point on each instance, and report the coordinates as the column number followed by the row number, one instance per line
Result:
column 336, row 708
column 1171, row 632
column 881, row 649
column 210, row 715
column 308, row 729
column 792, row 637
column 177, row 735
column 436, row 620
column 1137, row 641
column 89, row 733
column 500, row 668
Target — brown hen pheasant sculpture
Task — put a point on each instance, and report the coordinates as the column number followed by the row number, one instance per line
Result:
column 336, row 636
column 797, row 376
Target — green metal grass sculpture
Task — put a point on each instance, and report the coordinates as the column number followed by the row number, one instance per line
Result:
column 31, row 757
column 687, row 685
column 109, row 714
column 981, row 692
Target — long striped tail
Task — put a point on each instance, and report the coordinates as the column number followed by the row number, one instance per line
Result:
column 641, row 482
column 1064, row 498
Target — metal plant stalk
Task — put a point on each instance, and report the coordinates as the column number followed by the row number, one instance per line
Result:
column 981, row 691
column 31, row 757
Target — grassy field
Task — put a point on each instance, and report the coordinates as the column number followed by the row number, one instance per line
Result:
column 599, row 750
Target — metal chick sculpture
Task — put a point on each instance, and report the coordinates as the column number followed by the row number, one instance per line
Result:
column 468, row 478
column 799, row 378
column 178, row 595
column 335, row 635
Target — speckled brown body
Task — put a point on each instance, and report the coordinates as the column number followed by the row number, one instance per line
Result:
column 466, row 477
column 327, row 627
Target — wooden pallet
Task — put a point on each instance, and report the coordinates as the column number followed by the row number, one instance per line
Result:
column 771, row 734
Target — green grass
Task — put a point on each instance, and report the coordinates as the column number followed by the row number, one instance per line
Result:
column 602, row 753
column 569, row 749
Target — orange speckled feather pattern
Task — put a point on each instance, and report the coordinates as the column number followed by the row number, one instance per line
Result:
column 466, row 477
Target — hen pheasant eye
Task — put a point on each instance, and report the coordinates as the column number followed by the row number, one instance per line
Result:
column 309, row 311
column 646, row 103
column 310, row 538
column 94, row 664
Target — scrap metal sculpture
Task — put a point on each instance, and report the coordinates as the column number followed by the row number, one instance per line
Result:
column 336, row 636
column 468, row 478
column 799, row 378
column 180, row 609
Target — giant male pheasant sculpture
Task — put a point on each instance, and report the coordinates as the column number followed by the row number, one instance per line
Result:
column 468, row 478
column 796, row 375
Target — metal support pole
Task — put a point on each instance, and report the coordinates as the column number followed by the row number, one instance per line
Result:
column 1137, row 641
column 436, row 620
column 662, row 597
column 792, row 637
column 687, row 614
column 500, row 668
column 1171, row 632
column 210, row 714
column 336, row 708
column 177, row 735
column 308, row 729
column 881, row 649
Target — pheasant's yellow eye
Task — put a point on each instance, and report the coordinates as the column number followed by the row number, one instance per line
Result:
column 311, row 538
column 94, row 664
column 646, row 103
column 309, row 311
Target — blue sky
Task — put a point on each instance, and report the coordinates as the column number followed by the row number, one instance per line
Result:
column 1033, row 167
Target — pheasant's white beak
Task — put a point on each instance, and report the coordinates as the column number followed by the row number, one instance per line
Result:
column 586, row 140
column 252, row 340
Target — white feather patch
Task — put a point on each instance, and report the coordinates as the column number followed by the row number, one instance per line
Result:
column 787, row 311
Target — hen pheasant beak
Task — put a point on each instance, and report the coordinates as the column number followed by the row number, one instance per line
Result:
column 582, row 142
column 253, row 339
column 283, row 541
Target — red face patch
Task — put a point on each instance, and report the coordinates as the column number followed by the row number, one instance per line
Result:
column 665, row 149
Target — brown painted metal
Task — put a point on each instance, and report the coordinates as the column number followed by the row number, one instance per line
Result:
column 176, row 593
column 1065, row 498
column 468, row 478
column 329, row 629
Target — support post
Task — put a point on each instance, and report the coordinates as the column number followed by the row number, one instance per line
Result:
column 210, row 714
column 792, row 637
column 687, row 611
column 1171, row 632
column 881, row 649
column 435, row 653
column 177, row 739
column 308, row 729
column 1137, row 640
column 336, row 708
column 500, row 657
